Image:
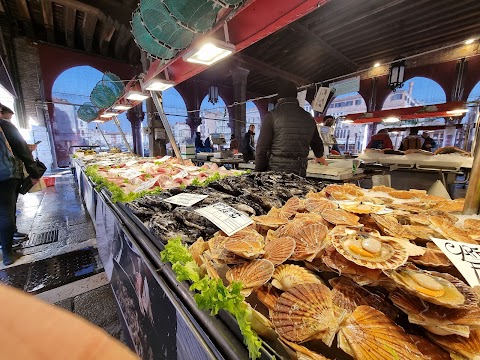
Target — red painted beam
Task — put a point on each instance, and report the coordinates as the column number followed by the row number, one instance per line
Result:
column 254, row 21
column 417, row 112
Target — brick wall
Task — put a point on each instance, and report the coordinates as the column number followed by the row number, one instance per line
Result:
column 28, row 64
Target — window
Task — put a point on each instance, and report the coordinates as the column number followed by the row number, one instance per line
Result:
column 349, row 103
column 396, row 97
column 358, row 102
column 412, row 103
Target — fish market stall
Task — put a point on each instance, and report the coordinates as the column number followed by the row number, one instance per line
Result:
column 344, row 259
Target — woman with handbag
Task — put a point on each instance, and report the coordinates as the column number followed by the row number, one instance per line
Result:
column 13, row 152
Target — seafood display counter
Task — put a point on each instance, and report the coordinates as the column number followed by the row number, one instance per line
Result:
column 320, row 272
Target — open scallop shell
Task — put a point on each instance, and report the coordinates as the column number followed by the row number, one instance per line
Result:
column 279, row 250
column 460, row 347
column 270, row 221
column 348, row 295
column 315, row 195
column 288, row 276
column 390, row 226
column 361, row 207
column 369, row 334
column 429, row 350
column 291, row 207
column 249, row 247
column 268, row 295
column 252, row 274
column 340, row 217
column 434, row 287
column 421, row 231
column 260, row 324
column 318, row 205
column 306, row 312
column 309, row 242
column 433, row 257
column 360, row 274
column 449, row 321
column 388, row 254
column 450, row 231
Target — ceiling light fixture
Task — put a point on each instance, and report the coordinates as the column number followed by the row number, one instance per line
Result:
column 347, row 121
column 469, row 41
column 108, row 114
column 121, row 107
column 134, row 95
column 391, row 120
column 376, row 65
column 97, row 121
column 457, row 112
column 157, row 84
column 209, row 52
column 396, row 74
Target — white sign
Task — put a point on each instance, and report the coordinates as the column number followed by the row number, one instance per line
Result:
column 163, row 159
column 321, row 98
column 182, row 174
column 225, row 217
column 465, row 257
column 131, row 174
column 185, row 199
column 346, row 86
column 147, row 184
column 302, row 97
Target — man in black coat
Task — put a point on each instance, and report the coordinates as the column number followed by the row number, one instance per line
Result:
column 287, row 134
column 249, row 144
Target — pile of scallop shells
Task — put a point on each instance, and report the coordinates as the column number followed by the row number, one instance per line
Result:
column 352, row 273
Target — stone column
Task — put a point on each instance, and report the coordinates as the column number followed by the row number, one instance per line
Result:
column 157, row 138
column 135, row 115
column 238, row 123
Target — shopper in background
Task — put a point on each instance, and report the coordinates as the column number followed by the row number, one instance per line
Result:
column 208, row 145
column 329, row 121
column 13, row 152
column 198, row 143
column 233, row 144
column 288, row 132
column 428, row 143
column 412, row 141
column 380, row 141
column 249, row 144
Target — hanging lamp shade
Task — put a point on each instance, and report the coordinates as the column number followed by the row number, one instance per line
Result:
column 163, row 26
column 147, row 42
column 233, row 3
column 113, row 82
column 103, row 96
column 88, row 112
column 198, row 15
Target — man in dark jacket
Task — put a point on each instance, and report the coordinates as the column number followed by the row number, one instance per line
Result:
column 428, row 143
column 380, row 141
column 287, row 134
column 249, row 144
column 12, row 144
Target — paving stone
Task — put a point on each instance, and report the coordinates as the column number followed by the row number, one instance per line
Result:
column 98, row 306
column 81, row 232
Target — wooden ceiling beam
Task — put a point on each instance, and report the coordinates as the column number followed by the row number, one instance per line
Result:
column 22, row 7
column 48, row 20
column 89, row 25
column 269, row 70
column 123, row 37
column 109, row 27
column 317, row 40
column 69, row 22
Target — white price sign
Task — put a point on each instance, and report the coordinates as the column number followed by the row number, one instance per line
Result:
column 163, row 159
column 131, row 163
column 321, row 98
column 465, row 257
column 186, row 199
column 225, row 217
column 147, row 184
column 182, row 174
column 131, row 174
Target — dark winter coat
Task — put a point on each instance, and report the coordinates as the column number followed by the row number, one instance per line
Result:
column 286, row 136
column 249, row 146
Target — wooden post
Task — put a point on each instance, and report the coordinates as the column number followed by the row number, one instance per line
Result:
column 472, row 199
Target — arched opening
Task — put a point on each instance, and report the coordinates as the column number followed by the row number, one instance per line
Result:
column 215, row 119
column 70, row 90
column 417, row 91
column 176, row 112
column 475, row 93
column 252, row 118
column 350, row 138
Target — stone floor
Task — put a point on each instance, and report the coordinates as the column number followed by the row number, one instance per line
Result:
column 60, row 263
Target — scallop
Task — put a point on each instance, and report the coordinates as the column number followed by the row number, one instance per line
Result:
column 429, row 350
column 309, row 242
column 460, row 347
column 248, row 247
column 390, row 226
column 197, row 249
column 291, row 207
column 450, row 231
column 288, row 276
column 340, row 217
column 361, row 207
column 270, row 221
column 252, row 274
column 279, row 250
column 306, row 312
column 423, row 313
column 302, row 353
column 371, row 252
column 433, row 257
column 434, row 287
column 268, row 295
column 318, row 205
column 369, row 334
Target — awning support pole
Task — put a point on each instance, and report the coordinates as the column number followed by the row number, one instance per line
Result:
column 472, row 199
column 158, row 104
column 117, row 122
column 103, row 135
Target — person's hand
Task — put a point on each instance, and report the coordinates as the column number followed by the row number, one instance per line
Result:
column 35, row 181
column 321, row 160
column 32, row 147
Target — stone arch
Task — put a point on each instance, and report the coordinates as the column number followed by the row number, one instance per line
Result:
column 253, row 117
column 175, row 109
column 474, row 95
column 416, row 91
column 215, row 118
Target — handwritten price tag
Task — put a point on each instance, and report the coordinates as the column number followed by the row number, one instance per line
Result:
column 465, row 257
column 225, row 217
column 186, row 199
column 131, row 163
